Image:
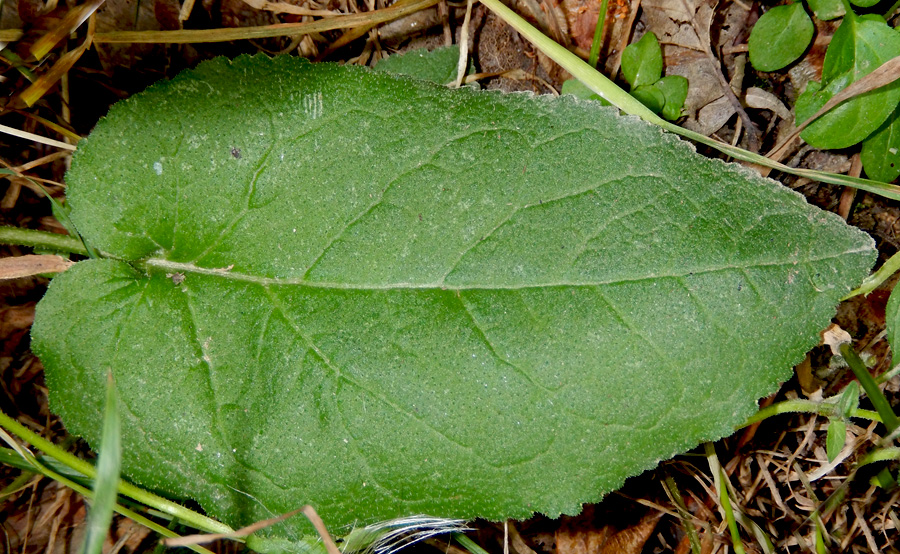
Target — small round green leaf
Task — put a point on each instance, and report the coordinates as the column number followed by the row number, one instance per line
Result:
column 826, row 10
column 859, row 46
column 642, row 61
column 880, row 154
column 780, row 36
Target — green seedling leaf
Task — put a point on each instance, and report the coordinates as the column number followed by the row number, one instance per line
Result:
column 780, row 36
column 864, row 3
column 577, row 89
column 880, row 153
column 383, row 297
column 642, row 61
column 826, row 10
column 892, row 322
column 849, row 400
column 438, row 65
column 675, row 91
column 650, row 96
column 858, row 47
column 835, row 437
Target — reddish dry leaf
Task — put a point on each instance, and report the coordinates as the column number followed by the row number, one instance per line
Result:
column 581, row 16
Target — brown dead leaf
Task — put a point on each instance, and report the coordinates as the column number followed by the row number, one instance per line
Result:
column 632, row 539
column 16, row 318
column 32, row 264
column 14, row 324
column 834, row 337
column 581, row 16
column 30, row 11
column 286, row 7
column 581, row 539
column 581, row 535
column 136, row 15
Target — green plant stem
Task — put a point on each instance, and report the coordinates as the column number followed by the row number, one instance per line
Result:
column 720, row 482
column 62, row 215
column 806, row 406
column 609, row 91
column 872, row 281
column 882, row 406
column 888, row 14
column 42, row 239
column 185, row 515
column 598, row 34
column 881, row 455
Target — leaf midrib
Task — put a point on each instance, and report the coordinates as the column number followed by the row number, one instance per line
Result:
column 168, row 266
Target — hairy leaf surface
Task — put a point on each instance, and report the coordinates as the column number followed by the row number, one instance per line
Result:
column 383, row 297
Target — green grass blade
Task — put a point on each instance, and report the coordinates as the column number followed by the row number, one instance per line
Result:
column 187, row 516
column 598, row 34
column 108, row 468
column 882, row 406
column 34, row 465
column 684, row 514
column 468, row 544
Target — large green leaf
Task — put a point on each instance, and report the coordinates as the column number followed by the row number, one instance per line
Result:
column 383, row 297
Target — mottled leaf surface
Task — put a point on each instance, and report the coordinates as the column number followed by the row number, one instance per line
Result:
column 383, row 297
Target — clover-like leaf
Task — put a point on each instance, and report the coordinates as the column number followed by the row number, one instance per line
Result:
column 675, row 89
column 382, row 297
column 650, row 96
column 642, row 62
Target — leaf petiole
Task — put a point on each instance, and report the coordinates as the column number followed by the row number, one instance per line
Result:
column 42, row 239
